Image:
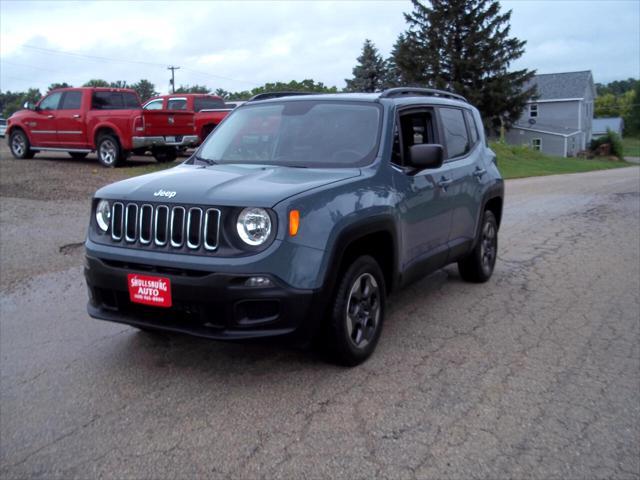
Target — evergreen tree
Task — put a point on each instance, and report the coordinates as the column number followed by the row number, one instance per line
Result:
column 370, row 74
column 464, row 46
column 145, row 89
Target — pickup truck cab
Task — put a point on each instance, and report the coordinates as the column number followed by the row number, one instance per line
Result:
column 207, row 110
column 109, row 121
column 297, row 217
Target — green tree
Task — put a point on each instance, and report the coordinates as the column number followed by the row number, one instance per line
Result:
column 464, row 46
column 55, row 86
column 145, row 89
column 11, row 102
column 193, row 89
column 307, row 85
column 632, row 120
column 96, row 82
column 370, row 74
column 222, row 93
column 119, row 84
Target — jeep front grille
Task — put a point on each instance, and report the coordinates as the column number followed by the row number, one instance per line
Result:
column 173, row 227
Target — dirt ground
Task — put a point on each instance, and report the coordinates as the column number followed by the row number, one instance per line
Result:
column 535, row 374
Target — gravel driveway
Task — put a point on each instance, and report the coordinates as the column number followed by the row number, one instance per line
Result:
column 535, row 374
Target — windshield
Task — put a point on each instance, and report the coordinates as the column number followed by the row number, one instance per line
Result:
column 297, row 133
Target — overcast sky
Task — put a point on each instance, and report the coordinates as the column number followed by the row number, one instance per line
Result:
column 239, row 45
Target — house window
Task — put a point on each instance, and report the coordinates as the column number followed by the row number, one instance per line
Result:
column 536, row 143
column 533, row 110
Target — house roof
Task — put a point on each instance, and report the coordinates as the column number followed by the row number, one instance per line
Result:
column 549, row 129
column 601, row 125
column 552, row 86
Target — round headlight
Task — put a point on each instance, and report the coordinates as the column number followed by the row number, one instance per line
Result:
column 103, row 215
column 254, row 226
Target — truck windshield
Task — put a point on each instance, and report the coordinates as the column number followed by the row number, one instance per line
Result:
column 298, row 133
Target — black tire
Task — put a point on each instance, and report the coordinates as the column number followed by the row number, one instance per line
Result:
column 165, row 155
column 352, row 340
column 109, row 151
column 478, row 266
column 78, row 155
column 20, row 146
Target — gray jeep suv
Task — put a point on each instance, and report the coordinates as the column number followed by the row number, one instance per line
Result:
column 297, row 217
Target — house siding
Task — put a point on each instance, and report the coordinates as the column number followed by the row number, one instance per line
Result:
column 552, row 144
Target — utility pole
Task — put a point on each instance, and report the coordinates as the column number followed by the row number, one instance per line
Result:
column 173, row 78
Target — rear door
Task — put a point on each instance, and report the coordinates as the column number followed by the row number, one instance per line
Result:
column 41, row 123
column 463, row 171
column 70, row 121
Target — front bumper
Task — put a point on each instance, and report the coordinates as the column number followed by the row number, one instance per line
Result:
column 158, row 141
column 204, row 304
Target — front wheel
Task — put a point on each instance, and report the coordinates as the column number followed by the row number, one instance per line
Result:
column 358, row 312
column 109, row 151
column 478, row 266
column 19, row 145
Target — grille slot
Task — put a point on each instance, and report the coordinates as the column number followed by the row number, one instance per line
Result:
column 177, row 226
column 146, row 217
column 130, row 222
column 117, row 216
column 161, row 225
column 194, row 227
column 211, row 228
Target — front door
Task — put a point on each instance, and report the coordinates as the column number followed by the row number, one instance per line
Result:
column 41, row 122
column 70, row 124
column 425, row 209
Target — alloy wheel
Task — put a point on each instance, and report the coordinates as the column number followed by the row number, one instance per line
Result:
column 363, row 310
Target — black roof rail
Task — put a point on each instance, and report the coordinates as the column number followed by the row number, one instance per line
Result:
column 270, row 95
column 417, row 91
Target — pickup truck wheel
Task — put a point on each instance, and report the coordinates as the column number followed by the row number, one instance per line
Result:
column 109, row 151
column 20, row 146
column 478, row 266
column 164, row 155
column 78, row 155
column 358, row 312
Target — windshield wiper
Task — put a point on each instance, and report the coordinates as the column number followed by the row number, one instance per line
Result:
column 208, row 161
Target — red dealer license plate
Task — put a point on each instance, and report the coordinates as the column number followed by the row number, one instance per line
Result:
column 148, row 290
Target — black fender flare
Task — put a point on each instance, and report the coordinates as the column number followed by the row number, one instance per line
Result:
column 496, row 190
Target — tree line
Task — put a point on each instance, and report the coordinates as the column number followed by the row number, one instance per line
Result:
column 620, row 98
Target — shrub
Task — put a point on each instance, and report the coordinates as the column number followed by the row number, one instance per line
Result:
column 611, row 138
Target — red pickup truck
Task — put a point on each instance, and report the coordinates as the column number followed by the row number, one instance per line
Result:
column 207, row 110
column 109, row 121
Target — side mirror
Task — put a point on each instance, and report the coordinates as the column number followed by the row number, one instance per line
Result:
column 29, row 106
column 424, row 156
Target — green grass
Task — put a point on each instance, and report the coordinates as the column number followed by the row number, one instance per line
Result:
column 631, row 146
column 517, row 161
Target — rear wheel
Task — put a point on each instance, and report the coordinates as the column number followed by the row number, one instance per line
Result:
column 478, row 266
column 164, row 155
column 19, row 145
column 358, row 312
column 109, row 151
column 78, row 155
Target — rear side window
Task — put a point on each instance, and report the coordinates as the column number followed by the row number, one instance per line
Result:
column 473, row 128
column 71, row 101
column 207, row 103
column 455, row 131
column 177, row 104
column 114, row 101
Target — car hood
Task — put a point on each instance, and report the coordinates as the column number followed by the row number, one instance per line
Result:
column 224, row 185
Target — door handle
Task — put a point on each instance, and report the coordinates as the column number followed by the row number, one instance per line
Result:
column 50, row 116
column 76, row 116
column 445, row 182
column 479, row 172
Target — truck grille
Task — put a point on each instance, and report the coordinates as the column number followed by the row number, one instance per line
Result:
column 174, row 227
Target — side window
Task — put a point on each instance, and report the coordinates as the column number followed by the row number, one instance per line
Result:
column 207, row 103
column 155, row 105
column 71, row 101
column 415, row 128
column 177, row 104
column 473, row 128
column 51, row 101
column 455, row 131
column 107, row 101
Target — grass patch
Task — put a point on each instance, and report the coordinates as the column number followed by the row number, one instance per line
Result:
column 518, row 161
column 631, row 146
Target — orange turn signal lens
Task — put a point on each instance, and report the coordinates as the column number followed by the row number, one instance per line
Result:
column 294, row 222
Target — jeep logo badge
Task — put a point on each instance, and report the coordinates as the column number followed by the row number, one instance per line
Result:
column 170, row 120
column 164, row 193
